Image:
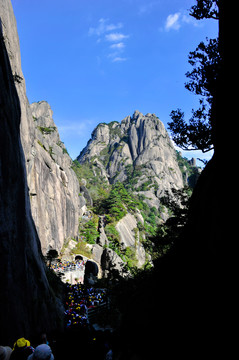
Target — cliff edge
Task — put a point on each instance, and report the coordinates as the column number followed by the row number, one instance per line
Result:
column 27, row 303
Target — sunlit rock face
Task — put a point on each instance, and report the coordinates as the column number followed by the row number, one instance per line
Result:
column 53, row 186
column 139, row 146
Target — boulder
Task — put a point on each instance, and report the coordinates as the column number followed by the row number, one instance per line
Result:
column 110, row 261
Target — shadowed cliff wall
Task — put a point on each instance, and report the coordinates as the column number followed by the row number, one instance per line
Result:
column 27, row 304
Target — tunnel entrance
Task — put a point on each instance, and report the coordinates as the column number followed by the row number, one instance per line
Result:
column 78, row 257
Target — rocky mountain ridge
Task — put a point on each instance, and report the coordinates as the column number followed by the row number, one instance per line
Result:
column 139, row 154
column 139, row 151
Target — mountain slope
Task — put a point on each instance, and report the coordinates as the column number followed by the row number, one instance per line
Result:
column 137, row 152
column 128, row 167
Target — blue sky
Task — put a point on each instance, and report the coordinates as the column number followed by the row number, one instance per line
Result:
column 99, row 60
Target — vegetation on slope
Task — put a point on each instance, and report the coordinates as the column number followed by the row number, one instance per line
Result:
column 114, row 201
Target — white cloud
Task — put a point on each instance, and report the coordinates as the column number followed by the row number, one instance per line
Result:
column 106, row 33
column 175, row 21
column 118, row 59
column 99, row 29
column 116, row 56
column 112, row 27
column 172, row 22
column 147, row 8
column 74, row 128
column 118, row 46
column 190, row 20
column 103, row 27
column 114, row 37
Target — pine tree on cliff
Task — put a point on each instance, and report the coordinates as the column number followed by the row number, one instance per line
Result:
column 197, row 132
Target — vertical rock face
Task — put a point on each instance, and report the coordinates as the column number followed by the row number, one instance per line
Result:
column 126, row 227
column 53, row 186
column 27, row 305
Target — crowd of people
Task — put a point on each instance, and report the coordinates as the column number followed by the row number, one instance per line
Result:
column 79, row 300
column 22, row 350
column 63, row 266
column 78, row 332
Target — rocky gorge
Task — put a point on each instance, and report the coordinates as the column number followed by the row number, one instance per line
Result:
column 107, row 207
column 44, row 193
column 136, row 151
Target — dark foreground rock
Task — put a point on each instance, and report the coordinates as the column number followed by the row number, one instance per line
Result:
column 27, row 303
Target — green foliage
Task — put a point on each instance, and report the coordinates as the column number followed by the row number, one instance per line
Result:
column 196, row 133
column 51, row 151
column 116, row 130
column 41, row 145
column 111, row 232
column 168, row 232
column 120, row 201
column 114, row 238
column 89, row 230
column 105, row 155
column 145, row 185
column 151, row 218
column 114, row 202
column 64, row 150
column 46, row 130
column 128, row 254
column 83, row 171
column 51, row 255
column 82, row 249
column 130, row 257
column 96, row 184
column 205, row 9
column 133, row 173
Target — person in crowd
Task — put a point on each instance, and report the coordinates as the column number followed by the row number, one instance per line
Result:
column 42, row 352
column 44, row 339
column 5, row 352
column 79, row 300
column 21, row 349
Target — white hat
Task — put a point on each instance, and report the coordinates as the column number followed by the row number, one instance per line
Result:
column 42, row 352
